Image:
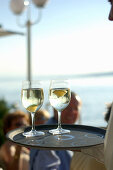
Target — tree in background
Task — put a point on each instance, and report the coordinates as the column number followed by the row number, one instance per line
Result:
column 4, row 109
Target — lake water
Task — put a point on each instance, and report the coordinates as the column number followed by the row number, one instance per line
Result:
column 94, row 92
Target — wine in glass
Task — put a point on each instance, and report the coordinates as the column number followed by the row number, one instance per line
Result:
column 32, row 97
column 59, row 96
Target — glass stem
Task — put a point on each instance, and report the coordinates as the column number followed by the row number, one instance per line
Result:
column 33, row 121
column 59, row 120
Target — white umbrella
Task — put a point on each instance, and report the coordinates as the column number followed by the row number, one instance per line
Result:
column 4, row 32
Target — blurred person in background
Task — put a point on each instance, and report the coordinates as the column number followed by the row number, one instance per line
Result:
column 12, row 156
column 57, row 160
column 41, row 117
column 111, row 11
column 108, row 111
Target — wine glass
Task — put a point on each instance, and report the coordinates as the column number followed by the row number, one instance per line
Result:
column 59, row 97
column 32, row 97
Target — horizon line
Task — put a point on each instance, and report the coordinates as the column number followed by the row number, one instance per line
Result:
column 72, row 76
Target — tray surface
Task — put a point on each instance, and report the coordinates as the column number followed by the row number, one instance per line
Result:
column 79, row 137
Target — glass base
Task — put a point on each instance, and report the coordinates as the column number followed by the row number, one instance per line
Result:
column 33, row 133
column 59, row 131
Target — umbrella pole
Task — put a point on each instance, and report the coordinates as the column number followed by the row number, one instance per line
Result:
column 29, row 50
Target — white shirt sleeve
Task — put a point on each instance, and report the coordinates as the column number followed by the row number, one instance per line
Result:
column 108, row 143
column 96, row 152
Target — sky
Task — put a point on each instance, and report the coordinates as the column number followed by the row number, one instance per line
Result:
column 72, row 37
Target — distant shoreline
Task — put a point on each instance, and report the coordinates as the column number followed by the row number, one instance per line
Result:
column 70, row 76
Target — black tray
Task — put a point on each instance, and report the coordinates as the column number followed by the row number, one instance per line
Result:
column 80, row 136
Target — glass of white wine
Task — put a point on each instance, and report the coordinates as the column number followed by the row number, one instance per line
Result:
column 59, row 97
column 32, row 97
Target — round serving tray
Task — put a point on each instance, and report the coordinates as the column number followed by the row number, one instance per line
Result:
column 80, row 136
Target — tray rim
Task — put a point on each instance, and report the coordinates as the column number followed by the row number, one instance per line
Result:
column 42, row 127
